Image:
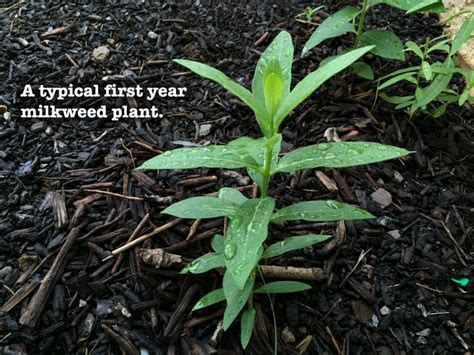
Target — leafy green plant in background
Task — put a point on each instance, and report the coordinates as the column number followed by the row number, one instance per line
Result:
column 243, row 246
column 386, row 43
column 309, row 13
column 431, row 93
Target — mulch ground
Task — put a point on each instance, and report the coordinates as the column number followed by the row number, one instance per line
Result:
column 389, row 288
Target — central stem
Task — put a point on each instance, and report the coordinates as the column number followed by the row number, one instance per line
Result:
column 360, row 25
column 267, row 164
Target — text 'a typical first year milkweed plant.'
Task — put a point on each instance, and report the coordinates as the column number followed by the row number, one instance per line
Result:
column 240, row 251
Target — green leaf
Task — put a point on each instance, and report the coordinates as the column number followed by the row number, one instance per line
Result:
column 335, row 25
column 320, row 211
column 414, row 48
column 272, row 76
column 405, row 104
column 247, row 323
column 337, row 155
column 440, row 46
column 219, row 77
column 217, row 243
column 283, row 287
column 405, row 76
column 209, row 299
column 205, row 263
column 440, row 111
column 410, row 4
column 236, row 297
column 246, row 232
column 202, row 207
column 387, row 44
column 462, row 34
column 463, row 97
column 232, row 195
column 293, row 243
column 440, row 82
column 396, row 99
column 217, row 156
column 426, row 69
column 424, row 6
column 314, row 80
column 363, row 70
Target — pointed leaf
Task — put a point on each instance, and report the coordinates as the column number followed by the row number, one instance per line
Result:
column 217, row 243
column 363, row 70
column 396, row 99
column 335, row 25
column 232, row 195
column 202, row 207
column 462, row 34
column 283, row 287
column 204, row 263
column 422, row 6
column 246, row 232
column 209, row 299
column 387, row 44
column 218, row 156
column 247, row 323
column 414, row 48
column 440, row 82
column 320, row 211
column 426, row 69
column 314, row 80
column 405, row 76
column 337, row 155
column 236, row 297
column 293, row 243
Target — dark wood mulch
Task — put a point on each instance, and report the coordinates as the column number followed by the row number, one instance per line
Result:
column 389, row 289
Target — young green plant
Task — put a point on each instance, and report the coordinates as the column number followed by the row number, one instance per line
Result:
column 430, row 81
column 386, row 43
column 309, row 13
column 244, row 244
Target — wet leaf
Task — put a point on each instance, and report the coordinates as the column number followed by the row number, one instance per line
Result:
column 321, row 211
column 217, row 243
column 205, row 263
column 283, row 287
column 236, row 297
column 387, row 44
column 232, row 195
column 363, row 70
column 209, row 299
column 410, row 77
column 202, row 207
column 247, row 323
column 293, row 243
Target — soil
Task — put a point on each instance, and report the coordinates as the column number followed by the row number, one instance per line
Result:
column 389, row 287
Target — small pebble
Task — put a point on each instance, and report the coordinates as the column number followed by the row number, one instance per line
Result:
column 385, row 311
column 152, row 35
column 287, row 336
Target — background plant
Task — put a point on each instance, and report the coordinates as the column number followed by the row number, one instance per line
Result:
column 309, row 13
column 386, row 43
column 431, row 93
column 239, row 253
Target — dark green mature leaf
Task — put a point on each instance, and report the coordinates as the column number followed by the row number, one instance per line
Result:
column 283, row 287
column 247, row 323
column 425, row 95
column 387, row 44
column 242, row 93
column 320, row 211
column 202, row 207
column 217, row 156
column 335, row 25
column 462, row 34
column 293, row 243
column 232, row 195
column 272, row 76
column 209, row 299
column 405, row 76
column 205, row 263
column 246, row 232
column 406, row 5
column 217, row 243
column 337, row 155
column 314, row 80
column 236, row 297
column 363, row 70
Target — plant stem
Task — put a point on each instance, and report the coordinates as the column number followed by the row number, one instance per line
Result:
column 267, row 163
column 360, row 25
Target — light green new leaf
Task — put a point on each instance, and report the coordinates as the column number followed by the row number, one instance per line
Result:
column 425, row 6
column 425, row 95
column 293, row 243
column 335, row 25
column 227, row 83
column 414, row 48
column 363, row 70
column 387, row 44
column 246, row 232
column 405, row 76
column 283, row 287
column 217, row 156
column 236, row 297
column 209, row 299
column 440, row 46
column 204, row 263
column 314, row 80
column 217, row 243
column 247, row 323
column 396, row 99
column 272, row 76
column 462, row 34
column 202, row 207
column 410, row 4
column 320, row 211
column 337, row 155
column 426, row 69
column 232, row 195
